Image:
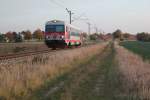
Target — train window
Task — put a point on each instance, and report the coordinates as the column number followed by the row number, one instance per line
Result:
column 54, row 28
column 50, row 28
column 60, row 28
column 74, row 33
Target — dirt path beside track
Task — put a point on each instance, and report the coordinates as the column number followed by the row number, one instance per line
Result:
column 96, row 79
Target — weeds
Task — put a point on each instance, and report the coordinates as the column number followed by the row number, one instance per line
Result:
column 135, row 74
column 18, row 49
column 17, row 80
column 95, row 79
column 9, row 48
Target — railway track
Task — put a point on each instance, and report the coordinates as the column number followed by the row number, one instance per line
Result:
column 31, row 53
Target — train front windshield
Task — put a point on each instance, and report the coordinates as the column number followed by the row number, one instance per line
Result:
column 55, row 28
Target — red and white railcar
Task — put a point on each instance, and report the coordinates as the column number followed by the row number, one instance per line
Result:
column 58, row 34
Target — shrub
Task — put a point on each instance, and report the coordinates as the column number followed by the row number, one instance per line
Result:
column 2, row 37
column 143, row 37
column 117, row 34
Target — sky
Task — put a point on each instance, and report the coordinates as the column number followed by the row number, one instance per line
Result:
column 107, row 15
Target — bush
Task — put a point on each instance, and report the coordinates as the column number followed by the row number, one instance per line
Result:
column 143, row 37
column 27, row 35
column 126, row 35
column 94, row 36
column 117, row 34
column 18, row 38
column 2, row 37
column 38, row 34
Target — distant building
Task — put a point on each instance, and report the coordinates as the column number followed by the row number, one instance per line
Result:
column 106, row 37
column 132, row 37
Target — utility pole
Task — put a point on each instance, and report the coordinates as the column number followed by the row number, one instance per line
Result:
column 96, row 29
column 89, row 28
column 70, row 14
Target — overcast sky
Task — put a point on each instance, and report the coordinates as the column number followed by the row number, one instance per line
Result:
column 108, row 15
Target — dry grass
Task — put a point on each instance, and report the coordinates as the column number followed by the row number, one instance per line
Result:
column 21, row 78
column 136, row 74
column 9, row 48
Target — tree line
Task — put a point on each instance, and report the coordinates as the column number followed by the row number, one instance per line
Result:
column 143, row 36
column 39, row 35
column 118, row 34
column 21, row 36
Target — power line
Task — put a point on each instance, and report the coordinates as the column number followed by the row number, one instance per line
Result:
column 58, row 4
column 71, row 13
column 80, row 17
column 62, row 6
column 61, row 1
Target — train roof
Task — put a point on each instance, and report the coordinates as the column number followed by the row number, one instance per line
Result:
column 55, row 22
column 59, row 22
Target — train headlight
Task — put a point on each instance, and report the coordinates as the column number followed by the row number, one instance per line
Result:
column 62, row 37
column 47, row 37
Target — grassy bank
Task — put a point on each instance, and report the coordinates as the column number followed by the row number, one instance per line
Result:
column 135, row 74
column 141, row 48
column 113, row 74
column 18, row 80
column 96, row 72
column 94, row 79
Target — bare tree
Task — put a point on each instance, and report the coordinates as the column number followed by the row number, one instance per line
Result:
column 27, row 34
column 38, row 34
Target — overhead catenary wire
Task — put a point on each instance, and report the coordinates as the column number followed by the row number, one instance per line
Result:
column 58, row 4
column 88, row 21
column 62, row 6
column 70, row 12
column 80, row 17
column 62, row 2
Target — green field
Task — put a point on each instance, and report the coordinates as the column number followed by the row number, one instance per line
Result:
column 141, row 48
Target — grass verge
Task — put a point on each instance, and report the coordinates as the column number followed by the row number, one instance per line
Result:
column 135, row 74
column 94, row 79
column 19, row 79
column 140, row 48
